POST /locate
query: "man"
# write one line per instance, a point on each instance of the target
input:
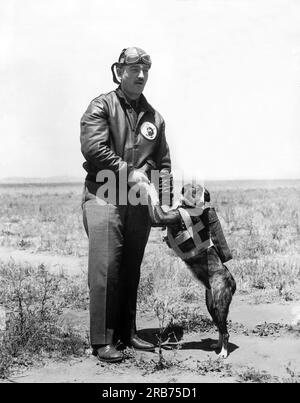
(121, 134)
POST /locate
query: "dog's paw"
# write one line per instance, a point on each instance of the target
(223, 353)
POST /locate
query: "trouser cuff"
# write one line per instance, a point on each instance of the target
(106, 338)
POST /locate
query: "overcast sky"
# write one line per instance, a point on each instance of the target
(225, 76)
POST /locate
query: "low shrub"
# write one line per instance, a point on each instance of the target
(33, 299)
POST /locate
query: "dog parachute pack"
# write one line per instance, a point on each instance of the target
(200, 230)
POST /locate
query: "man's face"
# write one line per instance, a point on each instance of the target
(133, 79)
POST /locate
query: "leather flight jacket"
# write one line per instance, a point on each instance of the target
(112, 139)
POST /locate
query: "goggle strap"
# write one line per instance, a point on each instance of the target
(115, 79)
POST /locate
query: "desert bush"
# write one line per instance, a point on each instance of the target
(33, 300)
(153, 365)
(214, 366)
(275, 329)
(75, 291)
(293, 375)
(252, 375)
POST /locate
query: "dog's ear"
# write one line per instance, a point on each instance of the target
(206, 195)
(183, 189)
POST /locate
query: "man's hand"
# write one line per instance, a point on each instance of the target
(137, 176)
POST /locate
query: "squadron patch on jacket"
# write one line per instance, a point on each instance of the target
(148, 130)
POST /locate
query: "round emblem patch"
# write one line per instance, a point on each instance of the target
(148, 130)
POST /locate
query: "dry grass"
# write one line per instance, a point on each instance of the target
(262, 227)
(42, 219)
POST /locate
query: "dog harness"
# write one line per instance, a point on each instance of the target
(194, 238)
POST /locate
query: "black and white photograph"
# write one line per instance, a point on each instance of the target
(149, 194)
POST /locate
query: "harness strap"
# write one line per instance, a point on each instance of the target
(192, 231)
(187, 220)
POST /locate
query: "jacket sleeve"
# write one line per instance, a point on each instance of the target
(94, 138)
(164, 166)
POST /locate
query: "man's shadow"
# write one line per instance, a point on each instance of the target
(171, 338)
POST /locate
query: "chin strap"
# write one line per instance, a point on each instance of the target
(114, 73)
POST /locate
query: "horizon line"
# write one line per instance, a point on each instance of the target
(65, 178)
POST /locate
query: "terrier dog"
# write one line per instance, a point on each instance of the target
(196, 236)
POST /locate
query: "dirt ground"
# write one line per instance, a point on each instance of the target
(272, 355)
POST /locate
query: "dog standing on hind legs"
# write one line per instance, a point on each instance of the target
(220, 287)
(196, 236)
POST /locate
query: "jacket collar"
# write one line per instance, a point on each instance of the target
(145, 106)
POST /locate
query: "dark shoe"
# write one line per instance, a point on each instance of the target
(107, 353)
(140, 344)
